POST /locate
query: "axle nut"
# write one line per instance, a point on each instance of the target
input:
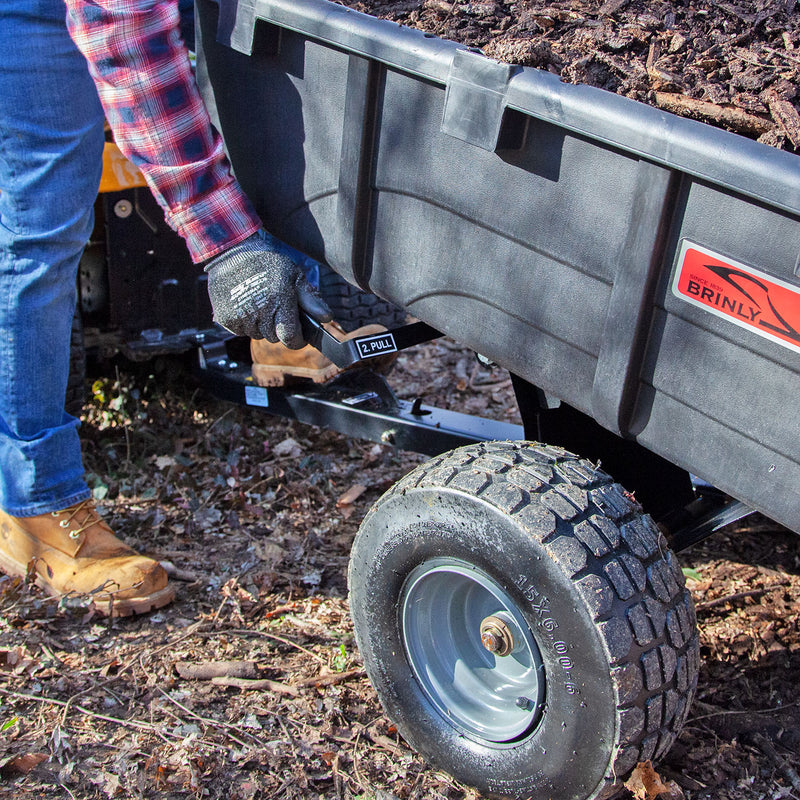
(496, 636)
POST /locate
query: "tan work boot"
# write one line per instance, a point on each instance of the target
(75, 552)
(273, 364)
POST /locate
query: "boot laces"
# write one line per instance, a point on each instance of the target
(84, 507)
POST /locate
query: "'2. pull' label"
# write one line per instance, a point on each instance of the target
(371, 346)
(743, 295)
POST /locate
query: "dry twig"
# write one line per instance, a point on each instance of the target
(332, 678)
(206, 670)
(732, 598)
(766, 746)
(256, 684)
(724, 116)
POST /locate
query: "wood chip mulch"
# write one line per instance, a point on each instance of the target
(734, 65)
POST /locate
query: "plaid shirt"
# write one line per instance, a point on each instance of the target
(144, 78)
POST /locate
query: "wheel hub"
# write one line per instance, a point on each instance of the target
(496, 636)
(471, 651)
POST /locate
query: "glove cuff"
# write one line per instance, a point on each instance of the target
(240, 253)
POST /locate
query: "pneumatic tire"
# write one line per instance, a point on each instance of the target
(523, 622)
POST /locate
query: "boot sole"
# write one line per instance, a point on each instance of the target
(136, 605)
(124, 607)
(266, 375)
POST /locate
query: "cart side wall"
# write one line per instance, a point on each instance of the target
(540, 224)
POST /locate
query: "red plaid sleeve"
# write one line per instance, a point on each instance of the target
(143, 75)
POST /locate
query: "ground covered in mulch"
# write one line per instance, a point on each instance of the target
(733, 64)
(254, 517)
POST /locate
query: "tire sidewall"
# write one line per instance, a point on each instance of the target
(569, 752)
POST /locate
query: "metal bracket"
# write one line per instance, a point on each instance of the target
(357, 403)
(723, 513)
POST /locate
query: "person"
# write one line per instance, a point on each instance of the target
(65, 66)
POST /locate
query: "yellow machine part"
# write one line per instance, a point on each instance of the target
(118, 172)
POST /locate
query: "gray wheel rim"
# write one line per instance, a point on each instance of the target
(495, 699)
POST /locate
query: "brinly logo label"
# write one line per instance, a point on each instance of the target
(743, 295)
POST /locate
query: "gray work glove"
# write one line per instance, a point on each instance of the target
(255, 291)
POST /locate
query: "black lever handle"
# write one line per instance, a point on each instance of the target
(362, 348)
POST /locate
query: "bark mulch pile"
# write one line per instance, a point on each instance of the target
(734, 65)
(250, 686)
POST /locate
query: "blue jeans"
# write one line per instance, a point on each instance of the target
(51, 142)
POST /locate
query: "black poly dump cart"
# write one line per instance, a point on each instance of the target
(523, 620)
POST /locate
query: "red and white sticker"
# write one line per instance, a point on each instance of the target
(743, 295)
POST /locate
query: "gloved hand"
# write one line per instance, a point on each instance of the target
(255, 291)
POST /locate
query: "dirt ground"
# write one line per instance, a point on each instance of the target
(255, 516)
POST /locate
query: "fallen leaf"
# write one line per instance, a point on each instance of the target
(16, 660)
(22, 765)
(288, 447)
(374, 454)
(345, 502)
(207, 518)
(111, 667)
(786, 116)
(269, 552)
(235, 591)
(351, 495)
(646, 784)
(110, 784)
(312, 578)
(9, 584)
(60, 744)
